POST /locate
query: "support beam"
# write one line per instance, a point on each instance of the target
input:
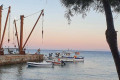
(16, 33)
(21, 51)
(33, 27)
(1, 49)
(0, 20)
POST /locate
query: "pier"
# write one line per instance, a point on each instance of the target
(15, 59)
(21, 57)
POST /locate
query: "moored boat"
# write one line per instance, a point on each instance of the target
(66, 57)
(55, 62)
(42, 64)
(72, 59)
(61, 63)
(78, 59)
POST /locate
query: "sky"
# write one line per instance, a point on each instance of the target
(82, 34)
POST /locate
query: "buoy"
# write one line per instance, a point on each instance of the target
(58, 59)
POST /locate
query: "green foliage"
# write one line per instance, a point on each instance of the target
(83, 6)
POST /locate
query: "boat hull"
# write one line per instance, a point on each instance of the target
(72, 59)
(42, 65)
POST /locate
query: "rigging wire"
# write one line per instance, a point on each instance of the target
(9, 32)
(13, 34)
(9, 28)
(42, 20)
(32, 14)
(29, 15)
(42, 26)
(5, 8)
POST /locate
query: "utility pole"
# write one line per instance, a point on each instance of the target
(0, 20)
(22, 52)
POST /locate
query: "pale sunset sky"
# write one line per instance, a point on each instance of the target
(81, 34)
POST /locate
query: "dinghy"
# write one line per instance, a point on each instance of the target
(61, 63)
(42, 64)
(56, 63)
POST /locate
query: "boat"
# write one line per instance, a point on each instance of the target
(60, 63)
(67, 57)
(40, 64)
(72, 59)
(55, 62)
(78, 59)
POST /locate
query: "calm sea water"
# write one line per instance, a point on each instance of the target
(97, 65)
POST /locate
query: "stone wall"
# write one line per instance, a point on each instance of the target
(14, 59)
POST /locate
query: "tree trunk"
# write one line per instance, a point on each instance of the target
(119, 0)
(111, 35)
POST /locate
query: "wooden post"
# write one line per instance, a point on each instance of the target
(21, 51)
(0, 20)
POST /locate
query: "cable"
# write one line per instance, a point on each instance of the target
(9, 29)
(42, 26)
(5, 8)
(29, 15)
(32, 14)
(17, 19)
(13, 35)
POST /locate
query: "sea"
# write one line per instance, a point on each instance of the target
(97, 65)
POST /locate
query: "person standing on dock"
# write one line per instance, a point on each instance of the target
(38, 51)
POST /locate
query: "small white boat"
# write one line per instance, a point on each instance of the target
(72, 59)
(42, 64)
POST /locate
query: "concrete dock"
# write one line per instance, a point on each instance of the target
(14, 59)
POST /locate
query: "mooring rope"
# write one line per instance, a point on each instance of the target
(29, 15)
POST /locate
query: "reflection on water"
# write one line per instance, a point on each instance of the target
(19, 72)
(97, 66)
(11, 72)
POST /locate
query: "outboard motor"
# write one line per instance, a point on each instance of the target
(62, 63)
